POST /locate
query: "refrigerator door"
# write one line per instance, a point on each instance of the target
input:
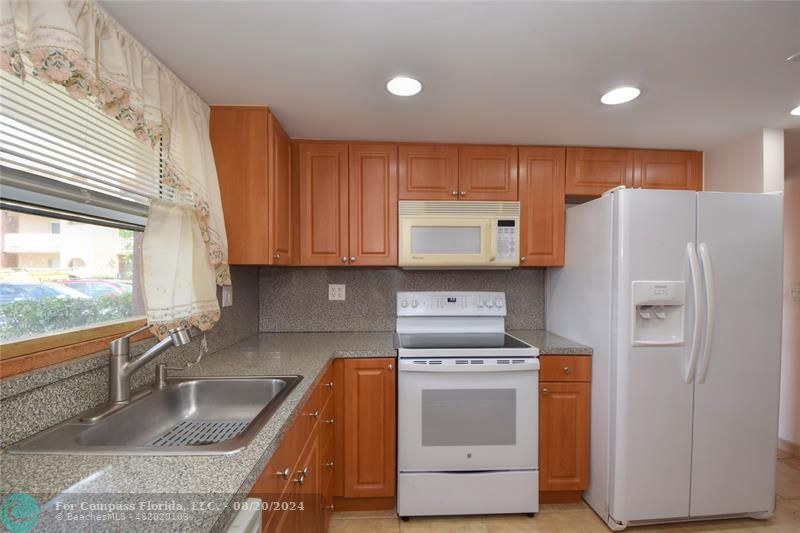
(651, 402)
(740, 241)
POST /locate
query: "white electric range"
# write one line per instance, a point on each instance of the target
(467, 407)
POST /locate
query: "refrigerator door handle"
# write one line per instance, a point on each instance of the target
(694, 271)
(708, 276)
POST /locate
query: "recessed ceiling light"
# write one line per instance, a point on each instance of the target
(795, 111)
(620, 95)
(404, 86)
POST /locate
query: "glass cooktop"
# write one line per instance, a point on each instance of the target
(427, 341)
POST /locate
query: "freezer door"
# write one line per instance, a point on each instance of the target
(736, 391)
(651, 400)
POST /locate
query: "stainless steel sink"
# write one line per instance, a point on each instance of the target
(189, 416)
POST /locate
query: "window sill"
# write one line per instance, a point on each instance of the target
(31, 354)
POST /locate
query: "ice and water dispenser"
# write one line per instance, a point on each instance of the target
(658, 313)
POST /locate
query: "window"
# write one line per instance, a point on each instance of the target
(98, 284)
(73, 204)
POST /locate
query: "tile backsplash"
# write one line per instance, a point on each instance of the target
(296, 299)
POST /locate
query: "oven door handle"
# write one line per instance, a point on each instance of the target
(452, 367)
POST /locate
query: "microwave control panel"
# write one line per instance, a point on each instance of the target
(506, 240)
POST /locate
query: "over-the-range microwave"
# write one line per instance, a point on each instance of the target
(458, 234)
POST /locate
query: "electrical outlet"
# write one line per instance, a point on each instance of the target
(335, 292)
(227, 295)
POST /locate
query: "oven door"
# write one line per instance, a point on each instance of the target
(467, 414)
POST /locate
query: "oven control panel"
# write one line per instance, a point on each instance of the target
(452, 303)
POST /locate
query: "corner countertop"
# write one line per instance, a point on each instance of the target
(215, 483)
(550, 343)
(218, 482)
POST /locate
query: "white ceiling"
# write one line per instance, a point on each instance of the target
(517, 72)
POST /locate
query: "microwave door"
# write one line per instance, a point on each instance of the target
(445, 241)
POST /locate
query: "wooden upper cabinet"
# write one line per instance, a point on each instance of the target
(369, 428)
(239, 139)
(323, 203)
(541, 199)
(373, 204)
(254, 165)
(428, 172)
(487, 173)
(668, 169)
(281, 207)
(592, 171)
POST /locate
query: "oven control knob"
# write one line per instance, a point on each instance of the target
(404, 303)
(498, 302)
(414, 303)
(490, 303)
(480, 302)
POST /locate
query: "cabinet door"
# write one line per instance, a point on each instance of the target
(369, 427)
(563, 436)
(541, 199)
(281, 205)
(592, 171)
(323, 204)
(239, 138)
(373, 204)
(428, 172)
(668, 169)
(487, 173)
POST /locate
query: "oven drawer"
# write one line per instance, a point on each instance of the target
(441, 493)
(565, 368)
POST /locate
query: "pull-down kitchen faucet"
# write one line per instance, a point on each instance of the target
(121, 366)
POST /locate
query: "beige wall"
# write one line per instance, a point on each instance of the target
(789, 429)
(754, 163)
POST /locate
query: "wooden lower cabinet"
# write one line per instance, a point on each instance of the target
(352, 408)
(564, 404)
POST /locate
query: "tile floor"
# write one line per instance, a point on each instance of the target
(578, 518)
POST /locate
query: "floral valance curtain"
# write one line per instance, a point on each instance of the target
(75, 44)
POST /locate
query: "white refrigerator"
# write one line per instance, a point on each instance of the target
(679, 294)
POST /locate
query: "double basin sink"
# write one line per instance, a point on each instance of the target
(188, 416)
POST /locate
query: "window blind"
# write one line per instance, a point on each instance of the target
(64, 153)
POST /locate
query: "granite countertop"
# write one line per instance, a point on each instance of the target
(200, 492)
(550, 343)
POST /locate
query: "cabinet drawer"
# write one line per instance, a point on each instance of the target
(565, 368)
(327, 423)
(325, 385)
(327, 463)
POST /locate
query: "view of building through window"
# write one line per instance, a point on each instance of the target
(57, 275)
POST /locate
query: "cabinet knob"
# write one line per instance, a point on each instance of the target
(522, 259)
(463, 193)
(277, 257)
(301, 477)
(344, 260)
(567, 370)
(353, 259)
(329, 421)
(315, 414)
(454, 193)
(329, 507)
(329, 465)
(390, 366)
(545, 392)
(283, 473)
(329, 385)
